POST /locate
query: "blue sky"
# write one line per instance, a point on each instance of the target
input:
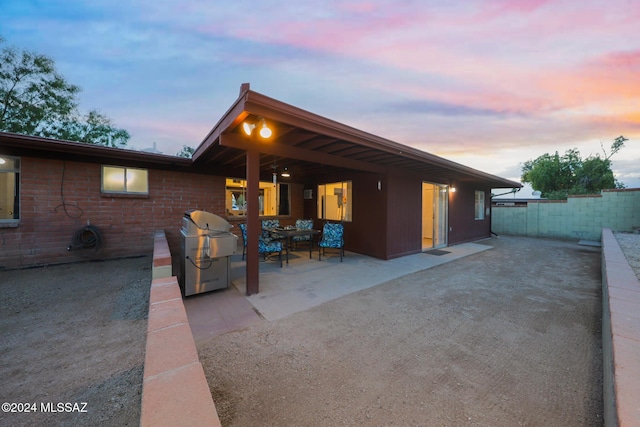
(489, 84)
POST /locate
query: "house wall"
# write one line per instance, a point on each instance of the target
(366, 233)
(579, 217)
(53, 208)
(127, 223)
(463, 227)
(404, 233)
(387, 223)
(60, 197)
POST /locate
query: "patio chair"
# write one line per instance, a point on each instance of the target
(243, 229)
(269, 224)
(303, 224)
(265, 246)
(332, 237)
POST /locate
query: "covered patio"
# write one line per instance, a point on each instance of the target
(315, 149)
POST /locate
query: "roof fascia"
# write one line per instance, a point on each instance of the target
(234, 115)
(259, 104)
(83, 149)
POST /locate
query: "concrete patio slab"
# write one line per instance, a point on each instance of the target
(306, 283)
(300, 285)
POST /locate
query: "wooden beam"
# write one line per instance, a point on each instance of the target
(237, 141)
(253, 222)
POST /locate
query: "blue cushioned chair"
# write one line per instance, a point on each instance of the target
(268, 224)
(265, 246)
(332, 237)
(243, 228)
(303, 224)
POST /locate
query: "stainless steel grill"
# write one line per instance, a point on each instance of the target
(206, 248)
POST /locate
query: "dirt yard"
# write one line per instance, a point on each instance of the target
(510, 336)
(506, 337)
(74, 334)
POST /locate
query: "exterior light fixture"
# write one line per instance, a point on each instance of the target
(248, 127)
(265, 131)
(285, 173)
(453, 189)
(2, 161)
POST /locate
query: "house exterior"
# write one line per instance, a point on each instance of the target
(393, 200)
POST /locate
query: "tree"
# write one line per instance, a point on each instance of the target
(36, 100)
(93, 128)
(186, 151)
(557, 177)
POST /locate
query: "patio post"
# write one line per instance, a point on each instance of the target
(253, 220)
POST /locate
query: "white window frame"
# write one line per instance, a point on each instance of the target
(239, 186)
(125, 175)
(344, 198)
(5, 168)
(479, 205)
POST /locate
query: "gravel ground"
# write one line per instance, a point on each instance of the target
(74, 334)
(630, 245)
(506, 337)
(455, 345)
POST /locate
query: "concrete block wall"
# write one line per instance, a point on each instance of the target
(620, 336)
(579, 217)
(175, 391)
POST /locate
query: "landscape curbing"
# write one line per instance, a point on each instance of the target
(620, 336)
(161, 256)
(175, 391)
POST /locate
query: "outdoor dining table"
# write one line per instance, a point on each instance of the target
(288, 233)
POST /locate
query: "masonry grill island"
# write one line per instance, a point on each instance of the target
(206, 248)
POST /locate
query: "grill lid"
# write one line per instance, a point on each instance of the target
(206, 222)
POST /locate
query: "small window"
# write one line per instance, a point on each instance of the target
(335, 201)
(9, 189)
(479, 205)
(116, 179)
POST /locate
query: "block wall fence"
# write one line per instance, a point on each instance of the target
(579, 217)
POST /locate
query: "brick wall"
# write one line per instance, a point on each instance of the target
(59, 197)
(579, 217)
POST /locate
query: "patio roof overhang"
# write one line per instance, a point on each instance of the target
(309, 144)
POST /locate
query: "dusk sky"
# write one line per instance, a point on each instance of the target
(489, 84)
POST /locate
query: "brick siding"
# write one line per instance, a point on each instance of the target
(127, 223)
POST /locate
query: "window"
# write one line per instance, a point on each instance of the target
(273, 199)
(9, 189)
(116, 179)
(479, 205)
(334, 201)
